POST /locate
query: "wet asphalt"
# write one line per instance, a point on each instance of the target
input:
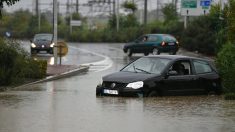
(70, 104)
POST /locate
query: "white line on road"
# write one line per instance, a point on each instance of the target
(104, 64)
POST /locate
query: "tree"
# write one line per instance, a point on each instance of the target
(169, 12)
(130, 6)
(231, 21)
(8, 2)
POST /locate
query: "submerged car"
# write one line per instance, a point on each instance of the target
(42, 42)
(163, 75)
(152, 43)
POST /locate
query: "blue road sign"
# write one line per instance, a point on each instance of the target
(205, 3)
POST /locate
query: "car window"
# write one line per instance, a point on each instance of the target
(152, 39)
(169, 38)
(46, 37)
(147, 65)
(201, 67)
(181, 67)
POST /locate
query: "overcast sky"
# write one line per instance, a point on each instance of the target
(30, 4)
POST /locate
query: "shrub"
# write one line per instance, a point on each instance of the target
(16, 65)
(226, 66)
(199, 36)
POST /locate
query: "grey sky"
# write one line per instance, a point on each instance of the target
(29, 4)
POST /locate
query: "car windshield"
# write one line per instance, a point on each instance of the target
(45, 37)
(148, 65)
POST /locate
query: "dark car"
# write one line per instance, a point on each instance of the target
(163, 75)
(42, 42)
(152, 43)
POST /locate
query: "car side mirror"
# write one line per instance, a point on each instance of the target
(172, 73)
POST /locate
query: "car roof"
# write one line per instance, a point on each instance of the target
(160, 34)
(175, 57)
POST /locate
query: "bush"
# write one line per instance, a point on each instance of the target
(17, 66)
(226, 66)
(200, 36)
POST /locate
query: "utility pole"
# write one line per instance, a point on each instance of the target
(37, 8)
(67, 7)
(117, 16)
(55, 6)
(114, 7)
(157, 10)
(145, 12)
(77, 6)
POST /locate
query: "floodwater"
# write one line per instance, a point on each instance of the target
(70, 105)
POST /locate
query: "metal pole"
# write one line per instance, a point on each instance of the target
(70, 16)
(37, 8)
(114, 7)
(117, 15)
(60, 53)
(77, 6)
(55, 30)
(157, 10)
(185, 22)
(145, 11)
(39, 20)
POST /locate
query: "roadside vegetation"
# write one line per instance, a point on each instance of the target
(212, 34)
(17, 66)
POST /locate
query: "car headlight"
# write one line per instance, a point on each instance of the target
(33, 45)
(52, 45)
(135, 85)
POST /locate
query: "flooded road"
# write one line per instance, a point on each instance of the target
(70, 105)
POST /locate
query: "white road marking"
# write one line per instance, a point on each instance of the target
(97, 66)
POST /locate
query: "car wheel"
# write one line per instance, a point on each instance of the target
(146, 53)
(214, 92)
(98, 92)
(172, 52)
(156, 51)
(153, 94)
(129, 52)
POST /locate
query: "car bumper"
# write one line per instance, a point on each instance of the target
(42, 49)
(126, 92)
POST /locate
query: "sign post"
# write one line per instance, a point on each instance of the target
(194, 8)
(55, 29)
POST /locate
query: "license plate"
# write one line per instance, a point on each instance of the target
(107, 91)
(171, 43)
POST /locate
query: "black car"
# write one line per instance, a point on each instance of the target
(152, 43)
(42, 42)
(163, 75)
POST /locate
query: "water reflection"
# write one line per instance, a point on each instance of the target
(9, 99)
(181, 113)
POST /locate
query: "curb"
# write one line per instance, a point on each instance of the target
(76, 71)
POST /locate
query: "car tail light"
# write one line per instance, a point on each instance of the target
(163, 43)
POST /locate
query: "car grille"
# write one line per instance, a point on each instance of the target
(113, 85)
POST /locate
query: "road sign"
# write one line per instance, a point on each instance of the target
(62, 48)
(189, 3)
(205, 3)
(195, 7)
(75, 23)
